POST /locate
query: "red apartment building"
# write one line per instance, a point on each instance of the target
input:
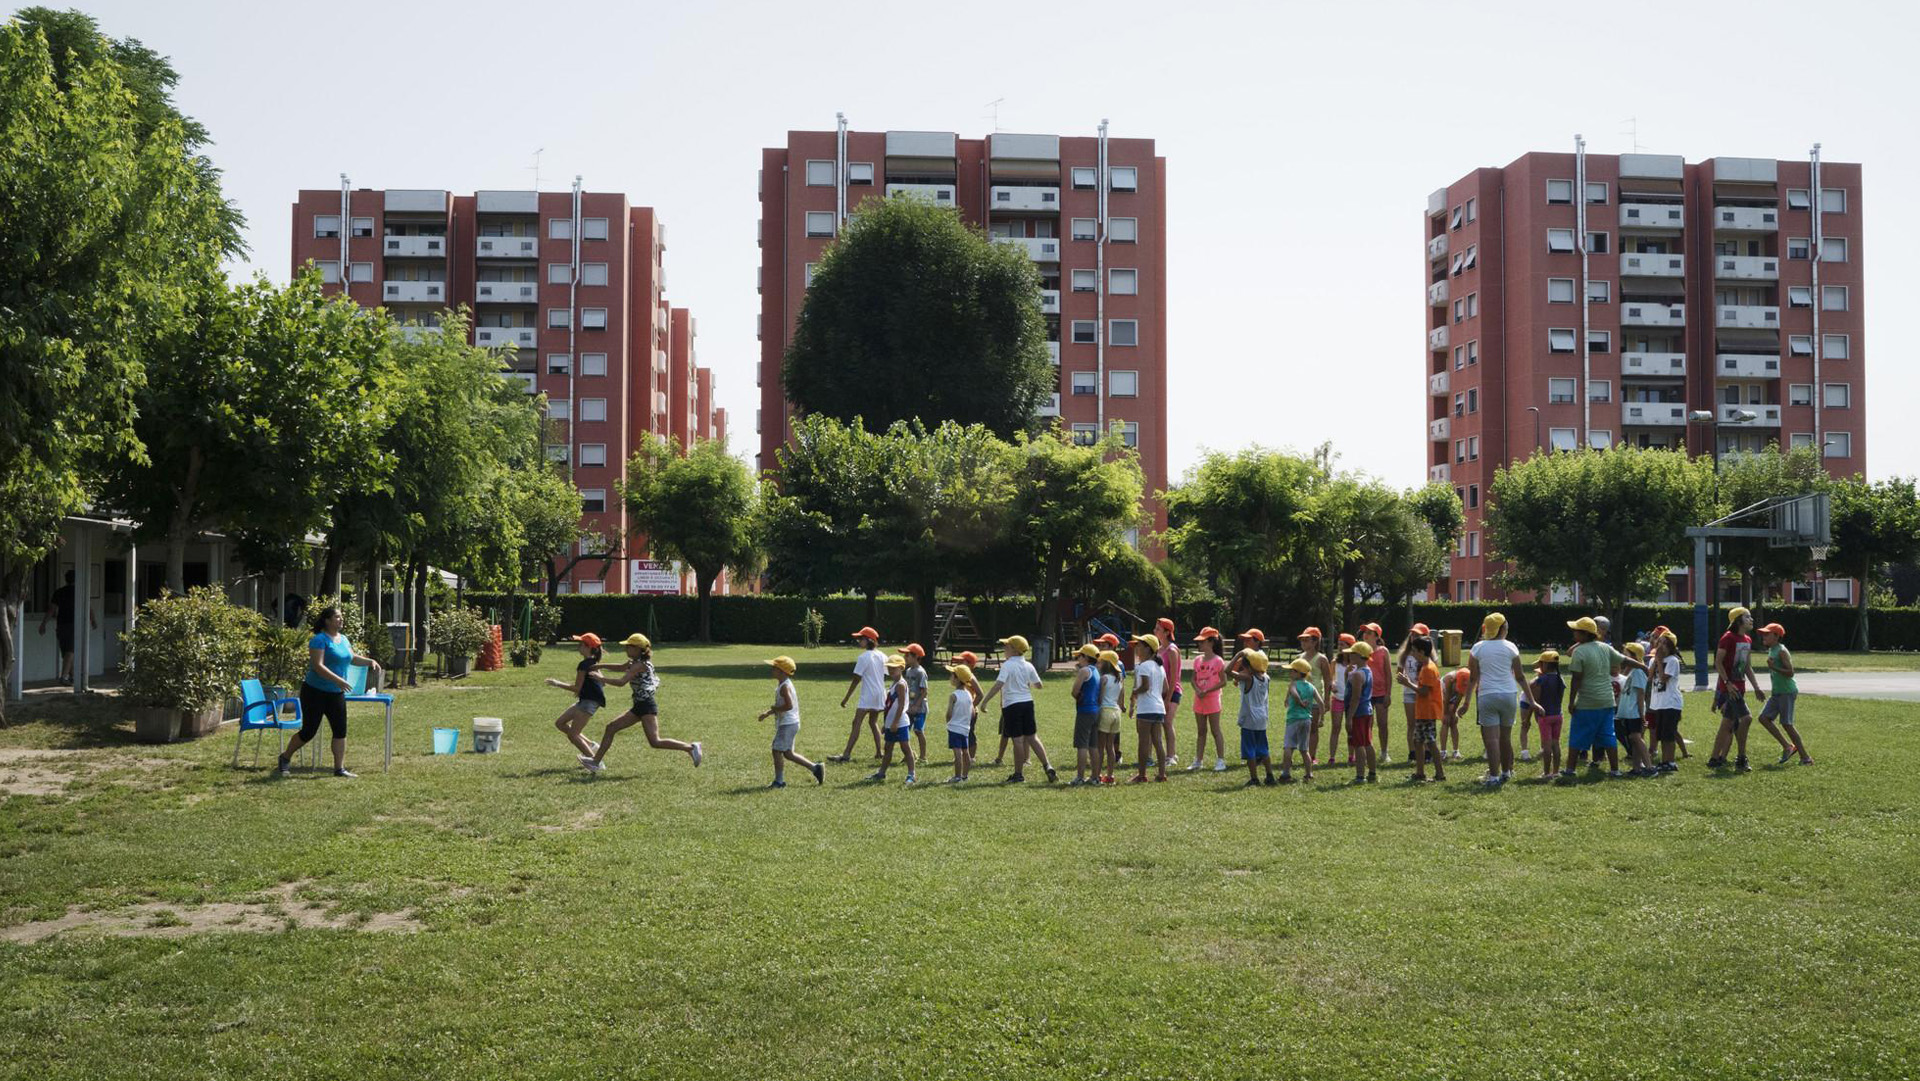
(572, 281)
(1599, 300)
(1091, 211)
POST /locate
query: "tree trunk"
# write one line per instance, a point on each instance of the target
(924, 599)
(1346, 598)
(9, 639)
(330, 570)
(873, 607)
(1860, 603)
(417, 582)
(703, 582)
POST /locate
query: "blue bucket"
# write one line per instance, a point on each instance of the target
(446, 740)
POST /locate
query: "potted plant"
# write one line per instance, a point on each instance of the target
(184, 658)
(457, 634)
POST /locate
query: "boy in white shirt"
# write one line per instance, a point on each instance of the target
(870, 679)
(960, 720)
(786, 714)
(1017, 681)
(1148, 706)
(894, 719)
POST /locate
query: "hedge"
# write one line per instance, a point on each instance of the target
(769, 619)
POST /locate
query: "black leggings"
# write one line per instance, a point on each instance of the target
(316, 703)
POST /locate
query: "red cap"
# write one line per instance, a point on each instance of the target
(1774, 629)
(867, 632)
(1658, 631)
(1206, 633)
(1164, 624)
(1346, 639)
(1420, 629)
(1311, 632)
(1375, 628)
(914, 648)
(1256, 634)
(589, 638)
(967, 658)
(1109, 640)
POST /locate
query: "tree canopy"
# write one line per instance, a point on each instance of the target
(1873, 525)
(699, 507)
(1750, 478)
(1242, 519)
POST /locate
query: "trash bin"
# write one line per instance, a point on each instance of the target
(1450, 648)
(1042, 655)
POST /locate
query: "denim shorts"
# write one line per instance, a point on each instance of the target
(588, 706)
(899, 735)
(783, 736)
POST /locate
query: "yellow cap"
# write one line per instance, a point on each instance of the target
(1586, 624)
(960, 672)
(1110, 657)
(1548, 656)
(1361, 650)
(1637, 651)
(896, 661)
(1302, 666)
(638, 641)
(1493, 623)
(1737, 615)
(1015, 644)
(1671, 639)
(1090, 651)
(784, 663)
(1255, 659)
(1148, 640)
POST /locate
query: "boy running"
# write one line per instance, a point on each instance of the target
(785, 712)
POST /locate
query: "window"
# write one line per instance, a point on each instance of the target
(1123, 332)
(593, 274)
(1833, 201)
(593, 364)
(1473, 353)
(1459, 264)
(1836, 346)
(1082, 176)
(1559, 290)
(1473, 305)
(558, 452)
(1459, 357)
(819, 223)
(1836, 395)
(1473, 448)
(1839, 590)
(1799, 296)
(1123, 282)
(593, 500)
(1123, 384)
(1799, 393)
(1473, 399)
(1600, 440)
(1560, 340)
(1600, 292)
(559, 317)
(1460, 404)
(1085, 384)
(1459, 450)
(329, 271)
(1600, 341)
(810, 267)
(1799, 247)
(1597, 243)
(326, 225)
(1458, 216)
(1559, 391)
(1563, 438)
(1839, 445)
(360, 272)
(593, 454)
(1082, 229)
(558, 363)
(593, 318)
(362, 226)
(559, 228)
(559, 409)
(1460, 309)
(860, 172)
(1085, 331)
(1559, 240)
(1596, 192)
(1473, 211)
(1800, 345)
(1086, 435)
(1799, 439)
(1473, 544)
(559, 273)
(1833, 249)
(1123, 230)
(1473, 256)
(1123, 178)
(1084, 281)
(593, 228)
(1799, 199)
(1473, 496)
(1833, 298)
(1560, 192)
(1600, 390)
(593, 409)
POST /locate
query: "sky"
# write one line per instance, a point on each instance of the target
(1301, 143)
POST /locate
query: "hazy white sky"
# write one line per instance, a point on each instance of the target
(1301, 142)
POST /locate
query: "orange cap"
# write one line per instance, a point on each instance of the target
(1256, 634)
(1109, 640)
(1375, 628)
(867, 632)
(969, 659)
(589, 638)
(1311, 632)
(1347, 639)
(1420, 629)
(1206, 633)
(1164, 624)
(914, 648)
(1774, 629)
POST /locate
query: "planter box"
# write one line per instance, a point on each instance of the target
(158, 724)
(457, 666)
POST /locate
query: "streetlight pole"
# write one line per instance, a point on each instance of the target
(1708, 420)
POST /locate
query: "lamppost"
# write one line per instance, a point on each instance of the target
(1703, 598)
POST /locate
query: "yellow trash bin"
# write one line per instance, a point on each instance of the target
(1450, 648)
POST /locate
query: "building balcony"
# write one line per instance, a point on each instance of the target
(1663, 217)
(1746, 366)
(414, 293)
(1438, 430)
(1654, 414)
(414, 247)
(940, 194)
(1439, 383)
(1050, 302)
(1735, 416)
(1052, 407)
(1652, 265)
(509, 337)
(1041, 249)
(1747, 267)
(1763, 316)
(1442, 473)
(506, 292)
(1653, 315)
(1653, 365)
(506, 247)
(1745, 219)
(1437, 294)
(1437, 248)
(1045, 200)
(1437, 338)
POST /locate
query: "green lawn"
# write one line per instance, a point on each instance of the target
(661, 922)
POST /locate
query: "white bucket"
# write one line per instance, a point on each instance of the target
(486, 735)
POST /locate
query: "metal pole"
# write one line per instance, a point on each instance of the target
(1099, 287)
(1586, 345)
(1819, 241)
(1700, 625)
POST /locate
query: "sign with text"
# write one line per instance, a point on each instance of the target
(653, 576)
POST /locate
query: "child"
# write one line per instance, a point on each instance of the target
(587, 696)
(1250, 672)
(1360, 711)
(1408, 662)
(870, 679)
(972, 663)
(1377, 662)
(1209, 679)
(1017, 681)
(637, 672)
(1785, 692)
(1322, 675)
(1459, 690)
(1086, 714)
(1665, 701)
(1148, 707)
(785, 712)
(894, 721)
(917, 694)
(1548, 690)
(1423, 739)
(1111, 684)
(1629, 718)
(960, 719)
(1303, 705)
(1170, 669)
(1337, 700)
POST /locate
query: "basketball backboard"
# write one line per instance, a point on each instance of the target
(1803, 522)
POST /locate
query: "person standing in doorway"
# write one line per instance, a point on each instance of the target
(63, 607)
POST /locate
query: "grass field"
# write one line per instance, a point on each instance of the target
(658, 921)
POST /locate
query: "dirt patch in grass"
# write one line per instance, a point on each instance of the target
(280, 911)
(29, 772)
(585, 820)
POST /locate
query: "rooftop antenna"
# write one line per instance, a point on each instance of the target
(536, 167)
(1633, 132)
(994, 105)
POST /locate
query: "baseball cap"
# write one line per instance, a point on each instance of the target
(1015, 644)
(867, 632)
(1090, 651)
(1255, 659)
(784, 663)
(1110, 657)
(1110, 640)
(1254, 633)
(915, 649)
(1164, 625)
(1548, 656)
(964, 673)
(969, 658)
(1301, 665)
(1361, 650)
(1493, 622)
(1461, 678)
(1422, 630)
(1774, 629)
(1637, 651)
(589, 638)
(896, 661)
(1346, 639)
(1310, 632)
(1375, 628)
(1737, 615)
(1206, 633)
(1148, 640)
(1585, 624)
(637, 641)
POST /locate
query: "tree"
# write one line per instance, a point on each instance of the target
(547, 507)
(913, 316)
(831, 477)
(1610, 521)
(269, 408)
(103, 219)
(699, 508)
(1873, 525)
(1748, 479)
(1241, 519)
(1071, 509)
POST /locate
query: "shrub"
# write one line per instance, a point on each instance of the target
(458, 632)
(189, 652)
(280, 654)
(544, 622)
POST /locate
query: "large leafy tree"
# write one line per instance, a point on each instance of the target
(1609, 521)
(698, 507)
(1242, 519)
(105, 221)
(1405, 556)
(1873, 525)
(913, 316)
(832, 477)
(546, 507)
(1746, 480)
(1071, 509)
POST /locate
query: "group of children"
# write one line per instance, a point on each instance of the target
(1629, 700)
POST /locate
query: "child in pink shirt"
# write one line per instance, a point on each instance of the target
(1209, 678)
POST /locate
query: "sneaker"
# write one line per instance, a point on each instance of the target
(1386, 759)
(1740, 766)
(909, 780)
(819, 774)
(1716, 763)
(1667, 767)
(1526, 755)
(1108, 779)
(698, 754)
(1219, 765)
(1076, 782)
(1371, 779)
(838, 758)
(1053, 775)
(1567, 776)
(1138, 778)
(1271, 781)
(591, 765)
(595, 746)
(342, 771)
(1615, 774)
(284, 769)
(1193, 765)
(877, 775)
(1252, 782)
(1491, 780)
(1018, 778)
(951, 780)
(1286, 778)
(778, 784)
(1786, 756)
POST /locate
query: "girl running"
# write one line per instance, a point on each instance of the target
(587, 696)
(639, 674)
(1209, 679)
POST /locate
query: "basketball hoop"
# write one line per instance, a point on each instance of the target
(1819, 553)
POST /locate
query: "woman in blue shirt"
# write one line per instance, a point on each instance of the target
(324, 692)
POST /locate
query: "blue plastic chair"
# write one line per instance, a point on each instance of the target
(357, 692)
(261, 708)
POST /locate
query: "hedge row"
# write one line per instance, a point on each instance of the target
(777, 619)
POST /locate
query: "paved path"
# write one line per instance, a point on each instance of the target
(1894, 686)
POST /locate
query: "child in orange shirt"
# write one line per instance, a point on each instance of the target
(1429, 704)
